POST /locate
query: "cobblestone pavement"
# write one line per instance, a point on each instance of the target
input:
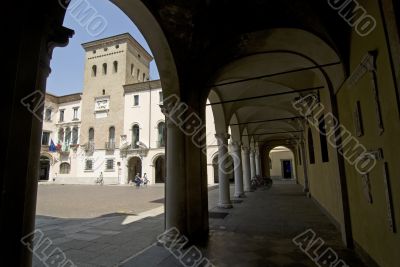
(98, 225)
(258, 231)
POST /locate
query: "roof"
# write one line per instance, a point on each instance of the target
(117, 39)
(64, 98)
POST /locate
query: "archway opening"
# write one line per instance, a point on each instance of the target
(159, 165)
(44, 172)
(281, 163)
(134, 168)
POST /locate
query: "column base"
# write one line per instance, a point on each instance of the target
(240, 195)
(225, 206)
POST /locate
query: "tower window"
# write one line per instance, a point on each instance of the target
(94, 71)
(137, 74)
(132, 69)
(104, 68)
(115, 64)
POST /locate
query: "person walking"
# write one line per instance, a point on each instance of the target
(137, 180)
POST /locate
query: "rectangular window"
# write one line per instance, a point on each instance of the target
(47, 116)
(88, 165)
(45, 138)
(160, 95)
(62, 115)
(76, 113)
(110, 165)
(136, 100)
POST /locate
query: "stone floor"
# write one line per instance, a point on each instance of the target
(257, 232)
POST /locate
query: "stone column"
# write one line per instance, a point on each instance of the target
(252, 164)
(175, 182)
(258, 162)
(224, 195)
(246, 169)
(237, 162)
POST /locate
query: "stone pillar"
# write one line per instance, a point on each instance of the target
(258, 162)
(237, 162)
(224, 194)
(252, 164)
(246, 169)
(175, 182)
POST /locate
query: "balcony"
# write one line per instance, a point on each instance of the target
(110, 145)
(88, 147)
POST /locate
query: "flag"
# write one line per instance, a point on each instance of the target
(52, 147)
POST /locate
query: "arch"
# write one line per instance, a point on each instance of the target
(91, 134)
(65, 168)
(159, 169)
(235, 129)
(218, 113)
(215, 168)
(281, 162)
(134, 167)
(111, 134)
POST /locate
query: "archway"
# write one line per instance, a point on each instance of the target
(281, 163)
(159, 165)
(215, 169)
(134, 167)
(44, 172)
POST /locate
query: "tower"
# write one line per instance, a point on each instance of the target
(110, 63)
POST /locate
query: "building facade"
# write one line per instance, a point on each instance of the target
(115, 127)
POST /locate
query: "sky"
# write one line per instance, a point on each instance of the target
(67, 63)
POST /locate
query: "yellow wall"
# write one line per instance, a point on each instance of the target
(369, 221)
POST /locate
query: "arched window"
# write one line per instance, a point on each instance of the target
(132, 67)
(135, 136)
(111, 134)
(68, 136)
(61, 136)
(323, 141)
(91, 135)
(161, 137)
(137, 74)
(64, 168)
(104, 68)
(144, 76)
(115, 65)
(94, 71)
(311, 147)
(75, 135)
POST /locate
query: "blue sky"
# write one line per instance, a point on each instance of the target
(67, 63)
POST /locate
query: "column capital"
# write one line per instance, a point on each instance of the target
(222, 138)
(236, 145)
(245, 149)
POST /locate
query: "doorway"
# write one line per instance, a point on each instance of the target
(159, 165)
(134, 167)
(44, 168)
(287, 169)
